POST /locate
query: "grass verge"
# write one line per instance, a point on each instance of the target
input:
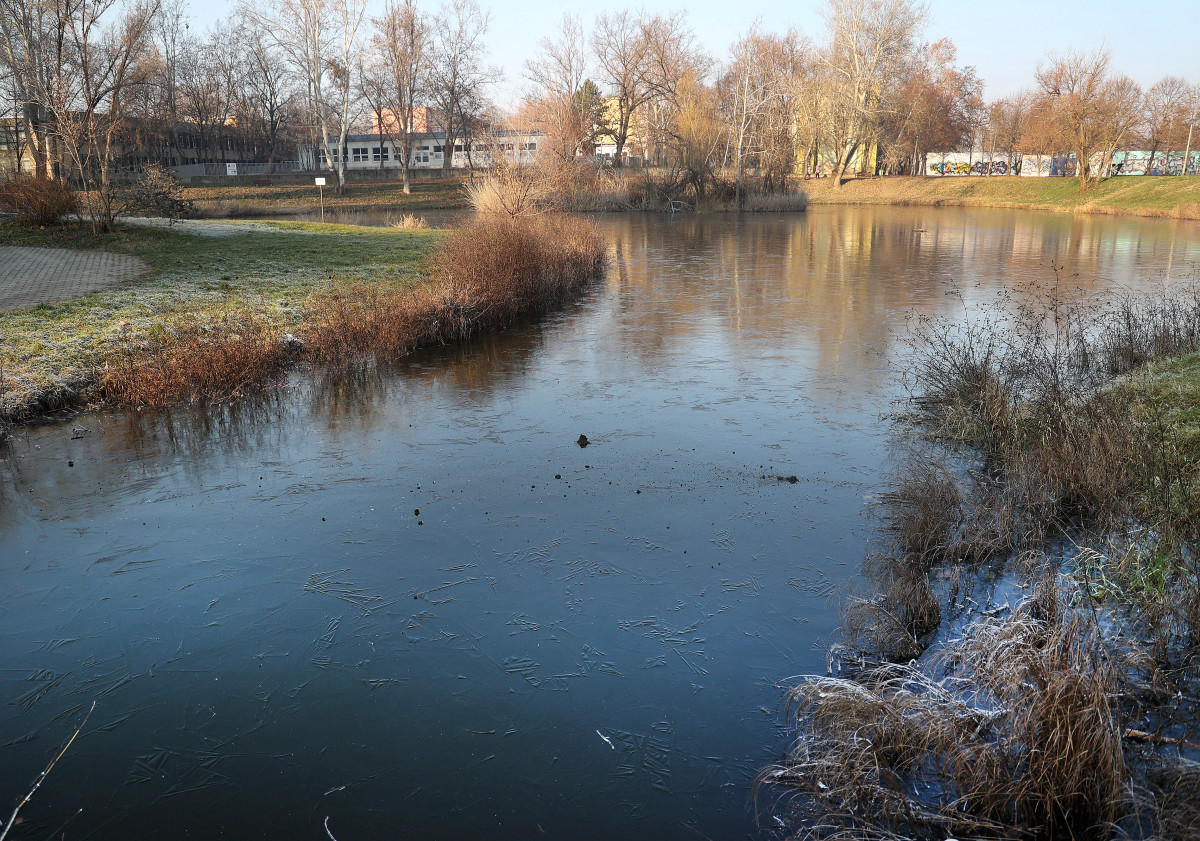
(1177, 198)
(242, 201)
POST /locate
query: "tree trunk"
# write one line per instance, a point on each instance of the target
(1188, 153)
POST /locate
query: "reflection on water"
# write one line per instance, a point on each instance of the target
(402, 597)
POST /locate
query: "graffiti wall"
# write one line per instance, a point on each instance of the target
(1158, 163)
(972, 163)
(1062, 166)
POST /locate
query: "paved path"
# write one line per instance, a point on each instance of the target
(31, 276)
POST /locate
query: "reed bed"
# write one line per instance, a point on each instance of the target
(483, 276)
(210, 358)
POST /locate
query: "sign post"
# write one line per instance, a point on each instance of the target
(230, 169)
(321, 190)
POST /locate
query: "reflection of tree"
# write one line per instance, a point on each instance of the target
(830, 287)
(837, 281)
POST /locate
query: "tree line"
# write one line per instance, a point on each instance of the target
(91, 85)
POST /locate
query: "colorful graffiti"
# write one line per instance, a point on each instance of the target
(1065, 166)
(962, 163)
(1160, 163)
(971, 168)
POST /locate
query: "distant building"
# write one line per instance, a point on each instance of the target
(377, 151)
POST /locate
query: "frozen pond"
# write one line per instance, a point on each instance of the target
(408, 601)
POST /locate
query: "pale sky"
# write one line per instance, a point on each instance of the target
(1003, 40)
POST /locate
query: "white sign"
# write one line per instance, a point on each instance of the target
(320, 182)
(231, 169)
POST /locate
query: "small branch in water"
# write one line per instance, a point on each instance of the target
(1134, 736)
(327, 832)
(42, 777)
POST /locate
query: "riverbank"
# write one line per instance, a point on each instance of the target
(1177, 198)
(218, 314)
(1055, 452)
(246, 201)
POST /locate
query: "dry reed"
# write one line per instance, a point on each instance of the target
(216, 358)
(1016, 739)
(410, 221)
(483, 276)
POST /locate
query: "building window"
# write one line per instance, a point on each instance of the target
(360, 154)
(378, 154)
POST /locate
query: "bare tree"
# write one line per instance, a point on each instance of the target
(266, 91)
(1191, 110)
(1163, 122)
(457, 73)
(1095, 108)
(870, 42)
(89, 112)
(558, 104)
(204, 81)
(673, 59)
(621, 53)
(36, 56)
(757, 85)
(396, 75)
(320, 39)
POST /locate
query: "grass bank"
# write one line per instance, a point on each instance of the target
(244, 201)
(1057, 446)
(1177, 198)
(221, 313)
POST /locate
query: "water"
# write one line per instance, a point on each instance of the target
(563, 642)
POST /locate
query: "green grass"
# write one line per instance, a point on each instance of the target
(1175, 197)
(48, 353)
(1167, 397)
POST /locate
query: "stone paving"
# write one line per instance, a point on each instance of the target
(31, 276)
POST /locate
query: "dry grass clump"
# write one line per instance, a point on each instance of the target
(895, 623)
(37, 201)
(191, 358)
(780, 202)
(1172, 801)
(1016, 739)
(412, 222)
(485, 275)
(1035, 392)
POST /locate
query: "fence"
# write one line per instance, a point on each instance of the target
(239, 169)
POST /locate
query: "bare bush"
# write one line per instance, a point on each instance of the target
(37, 201)
(192, 359)
(484, 275)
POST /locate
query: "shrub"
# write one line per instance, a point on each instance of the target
(156, 192)
(37, 201)
(211, 359)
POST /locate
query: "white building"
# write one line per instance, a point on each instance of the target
(376, 151)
